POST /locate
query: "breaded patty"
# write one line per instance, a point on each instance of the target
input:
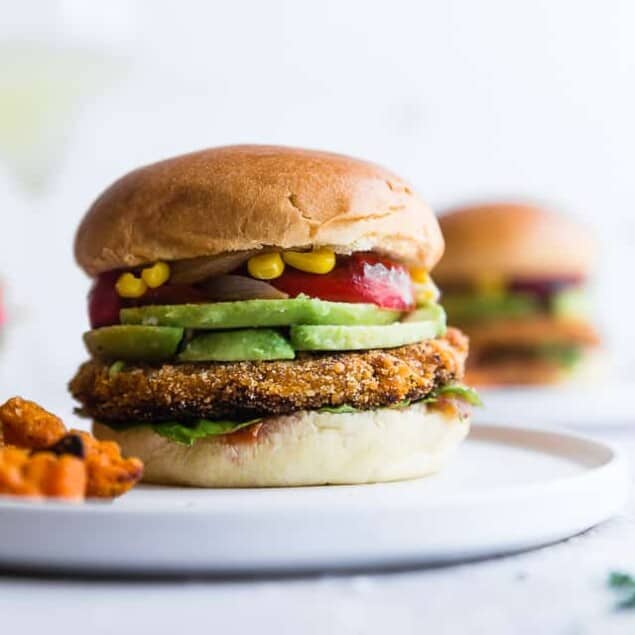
(365, 380)
(531, 331)
(516, 371)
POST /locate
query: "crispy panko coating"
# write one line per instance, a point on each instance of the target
(365, 379)
(27, 425)
(108, 473)
(41, 474)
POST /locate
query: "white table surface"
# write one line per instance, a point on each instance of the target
(556, 589)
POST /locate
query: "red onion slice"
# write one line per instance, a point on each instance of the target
(230, 288)
(193, 270)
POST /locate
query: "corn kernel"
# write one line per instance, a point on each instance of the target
(490, 284)
(425, 296)
(318, 261)
(426, 292)
(266, 266)
(129, 286)
(156, 275)
(419, 275)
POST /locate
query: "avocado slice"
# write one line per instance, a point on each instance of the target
(571, 303)
(352, 338)
(234, 346)
(465, 308)
(434, 312)
(129, 343)
(254, 313)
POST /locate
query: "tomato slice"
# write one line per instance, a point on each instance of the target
(363, 277)
(104, 303)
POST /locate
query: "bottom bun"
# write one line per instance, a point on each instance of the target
(305, 448)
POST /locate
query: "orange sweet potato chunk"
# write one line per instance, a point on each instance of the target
(27, 425)
(39, 458)
(41, 475)
(108, 473)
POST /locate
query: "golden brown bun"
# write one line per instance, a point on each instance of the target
(512, 240)
(251, 197)
(305, 448)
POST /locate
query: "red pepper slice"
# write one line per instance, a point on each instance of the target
(104, 302)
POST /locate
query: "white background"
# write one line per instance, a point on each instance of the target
(467, 99)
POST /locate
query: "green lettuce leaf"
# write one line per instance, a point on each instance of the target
(401, 404)
(459, 391)
(346, 409)
(338, 410)
(187, 434)
(199, 429)
(565, 355)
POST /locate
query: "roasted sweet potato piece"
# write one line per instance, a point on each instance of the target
(41, 474)
(38, 457)
(27, 425)
(57, 476)
(71, 443)
(108, 473)
(12, 460)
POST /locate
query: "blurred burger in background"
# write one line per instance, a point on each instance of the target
(514, 277)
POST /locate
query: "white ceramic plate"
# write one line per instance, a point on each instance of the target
(508, 489)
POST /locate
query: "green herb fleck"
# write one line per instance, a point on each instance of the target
(624, 584)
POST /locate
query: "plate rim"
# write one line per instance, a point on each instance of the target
(614, 461)
(411, 536)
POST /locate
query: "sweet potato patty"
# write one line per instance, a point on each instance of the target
(366, 380)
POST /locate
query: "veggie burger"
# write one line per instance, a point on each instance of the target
(264, 316)
(514, 276)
